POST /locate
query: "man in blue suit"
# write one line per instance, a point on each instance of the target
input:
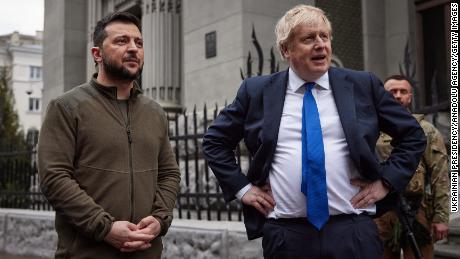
(314, 179)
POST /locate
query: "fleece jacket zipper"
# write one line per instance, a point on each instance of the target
(130, 157)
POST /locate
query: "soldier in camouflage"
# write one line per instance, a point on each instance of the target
(428, 191)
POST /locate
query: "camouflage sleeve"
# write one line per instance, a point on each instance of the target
(383, 147)
(436, 160)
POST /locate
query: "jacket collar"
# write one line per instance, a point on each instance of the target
(111, 91)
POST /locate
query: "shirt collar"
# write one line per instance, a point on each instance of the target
(295, 82)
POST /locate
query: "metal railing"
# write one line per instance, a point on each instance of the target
(19, 180)
(200, 196)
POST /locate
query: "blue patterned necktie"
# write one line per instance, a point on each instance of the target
(313, 167)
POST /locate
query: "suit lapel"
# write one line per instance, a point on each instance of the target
(342, 90)
(273, 99)
(274, 95)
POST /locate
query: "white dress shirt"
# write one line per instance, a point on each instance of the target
(286, 169)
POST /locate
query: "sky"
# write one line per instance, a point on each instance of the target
(25, 16)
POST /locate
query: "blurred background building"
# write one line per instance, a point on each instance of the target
(21, 55)
(196, 48)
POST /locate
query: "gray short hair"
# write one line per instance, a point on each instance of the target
(300, 14)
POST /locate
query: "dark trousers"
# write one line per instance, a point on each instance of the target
(343, 237)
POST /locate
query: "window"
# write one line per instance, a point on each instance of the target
(435, 62)
(170, 93)
(162, 93)
(210, 44)
(433, 58)
(35, 72)
(34, 104)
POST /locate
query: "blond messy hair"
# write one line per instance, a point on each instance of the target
(300, 14)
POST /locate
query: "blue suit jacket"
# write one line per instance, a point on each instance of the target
(364, 107)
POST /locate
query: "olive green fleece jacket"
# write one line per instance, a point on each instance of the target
(96, 168)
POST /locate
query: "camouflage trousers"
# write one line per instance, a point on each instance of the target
(388, 225)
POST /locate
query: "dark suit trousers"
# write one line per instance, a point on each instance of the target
(343, 237)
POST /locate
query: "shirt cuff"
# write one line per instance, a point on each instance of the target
(239, 195)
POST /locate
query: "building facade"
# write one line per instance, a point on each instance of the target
(196, 50)
(22, 56)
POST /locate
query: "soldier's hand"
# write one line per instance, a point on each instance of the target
(439, 231)
(148, 225)
(124, 231)
(260, 198)
(369, 193)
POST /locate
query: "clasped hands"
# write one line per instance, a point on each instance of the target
(129, 237)
(262, 199)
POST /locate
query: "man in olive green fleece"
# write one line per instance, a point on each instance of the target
(104, 157)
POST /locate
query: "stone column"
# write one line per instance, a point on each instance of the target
(64, 47)
(374, 37)
(161, 79)
(94, 15)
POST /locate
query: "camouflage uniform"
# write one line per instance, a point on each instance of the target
(434, 197)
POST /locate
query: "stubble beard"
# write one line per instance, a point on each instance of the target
(119, 72)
